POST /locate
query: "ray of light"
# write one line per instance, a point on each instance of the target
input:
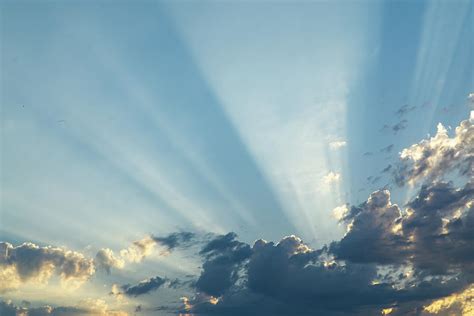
(284, 113)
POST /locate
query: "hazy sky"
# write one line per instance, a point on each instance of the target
(157, 128)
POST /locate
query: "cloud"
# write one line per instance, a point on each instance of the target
(416, 258)
(435, 233)
(331, 178)
(461, 303)
(31, 263)
(143, 287)
(337, 144)
(223, 256)
(470, 99)
(387, 169)
(339, 212)
(372, 235)
(106, 259)
(175, 240)
(404, 110)
(399, 126)
(138, 250)
(94, 307)
(289, 278)
(439, 224)
(387, 149)
(433, 158)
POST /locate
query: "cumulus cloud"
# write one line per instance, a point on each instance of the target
(373, 227)
(138, 250)
(223, 257)
(339, 212)
(431, 159)
(29, 262)
(435, 233)
(288, 278)
(106, 259)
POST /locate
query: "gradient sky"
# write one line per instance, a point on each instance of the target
(132, 118)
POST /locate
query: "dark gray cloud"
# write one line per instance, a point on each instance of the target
(399, 126)
(223, 257)
(395, 128)
(440, 226)
(433, 234)
(371, 232)
(387, 149)
(289, 278)
(387, 169)
(174, 240)
(405, 109)
(143, 287)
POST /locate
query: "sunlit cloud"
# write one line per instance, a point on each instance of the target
(456, 304)
(340, 212)
(31, 263)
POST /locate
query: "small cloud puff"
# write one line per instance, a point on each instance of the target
(331, 178)
(337, 144)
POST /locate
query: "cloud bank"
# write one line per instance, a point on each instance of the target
(411, 259)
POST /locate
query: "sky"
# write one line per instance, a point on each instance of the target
(236, 157)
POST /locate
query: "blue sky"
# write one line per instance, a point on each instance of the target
(120, 120)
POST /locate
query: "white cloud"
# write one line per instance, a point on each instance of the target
(340, 211)
(433, 158)
(106, 258)
(331, 178)
(470, 97)
(337, 144)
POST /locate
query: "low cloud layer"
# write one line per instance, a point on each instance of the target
(94, 307)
